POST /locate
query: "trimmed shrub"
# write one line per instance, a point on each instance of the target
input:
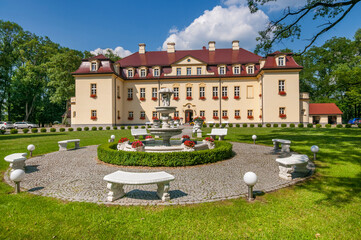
(34, 130)
(292, 125)
(318, 125)
(211, 125)
(115, 127)
(86, 129)
(136, 127)
(300, 125)
(61, 129)
(94, 128)
(275, 125)
(107, 128)
(339, 126)
(230, 125)
(204, 125)
(129, 127)
(100, 128)
(328, 125)
(244, 125)
(148, 126)
(13, 131)
(25, 130)
(348, 125)
(223, 125)
(238, 125)
(217, 125)
(359, 125)
(122, 127)
(283, 125)
(108, 153)
(2, 131)
(143, 127)
(43, 130)
(251, 125)
(79, 129)
(52, 129)
(70, 129)
(259, 125)
(309, 125)
(268, 125)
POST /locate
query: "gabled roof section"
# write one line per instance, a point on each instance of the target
(271, 62)
(196, 61)
(324, 109)
(105, 66)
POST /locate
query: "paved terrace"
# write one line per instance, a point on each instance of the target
(77, 175)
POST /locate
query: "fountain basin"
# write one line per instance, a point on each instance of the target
(157, 146)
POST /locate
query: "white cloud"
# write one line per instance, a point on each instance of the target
(233, 2)
(119, 51)
(223, 25)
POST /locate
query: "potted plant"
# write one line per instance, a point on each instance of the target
(188, 146)
(215, 117)
(237, 117)
(189, 98)
(154, 98)
(250, 117)
(93, 117)
(224, 97)
(149, 138)
(283, 115)
(129, 99)
(224, 117)
(130, 118)
(185, 137)
(122, 143)
(236, 97)
(215, 97)
(156, 122)
(282, 93)
(138, 146)
(202, 98)
(176, 98)
(93, 95)
(142, 99)
(210, 142)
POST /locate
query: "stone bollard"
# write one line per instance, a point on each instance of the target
(199, 133)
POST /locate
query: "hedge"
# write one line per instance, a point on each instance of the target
(292, 125)
(309, 125)
(108, 153)
(259, 125)
(107, 128)
(244, 125)
(251, 125)
(268, 125)
(275, 125)
(223, 125)
(339, 125)
(2, 131)
(79, 129)
(25, 130)
(122, 127)
(318, 125)
(52, 130)
(237, 125)
(230, 125)
(328, 125)
(300, 125)
(115, 128)
(86, 129)
(43, 130)
(283, 125)
(211, 125)
(94, 128)
(61, 129)
(70, 129)
(217, 125)
(13, 131)
(100, 128)
(348, 125)
(34, 130)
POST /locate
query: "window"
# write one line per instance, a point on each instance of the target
(94, 66)
(281, 85)
(154, 114)
(202, 113)
(154, 92)
(130, 73)
(118, 92)
(249, 91)
(93, 114)
(236, 70)
(189, 92)
(222, 70)
(142, 93)
(93, 89)
(250, 69)
(236, 91)
(176, 92)
(224, 91)
(118, 114)
(74, 114)
(179, 71)
(282, 110)
(236, 113)
(281, 61)
(224, 113)
(142, 72)
(202, 92)
(142, 115)
(189, 71)
(215, 92)
(176, 114)
(130, 115)
(156, 72)
(130, 93)
(215, 113)
(199, 71)
(250, 113)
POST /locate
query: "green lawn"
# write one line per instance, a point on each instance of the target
(328, 206)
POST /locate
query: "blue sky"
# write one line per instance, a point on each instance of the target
(88, 25)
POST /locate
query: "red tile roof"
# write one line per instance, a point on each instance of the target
(271, 62)
(324, 109)
(105, 66)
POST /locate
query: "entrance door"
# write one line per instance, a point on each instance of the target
(189, 116)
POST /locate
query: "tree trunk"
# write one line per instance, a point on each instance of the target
(66, 113)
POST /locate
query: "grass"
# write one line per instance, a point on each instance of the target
(325, 207)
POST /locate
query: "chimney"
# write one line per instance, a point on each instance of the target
(141, 48)
(212, 46)
(235, 45)
(170, 47)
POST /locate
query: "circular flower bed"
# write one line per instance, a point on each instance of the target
(108, 153)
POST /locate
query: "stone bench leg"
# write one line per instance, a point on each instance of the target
(115, 191)
(136, 137)
(18, 165)
(301, 168)
(285, 172)
(275, 146)
(63, 146)
(285, 147)
(220, 138)
(162, 191)
(77, 144)
(213, 136)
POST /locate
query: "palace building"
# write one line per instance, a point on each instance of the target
(223, 85)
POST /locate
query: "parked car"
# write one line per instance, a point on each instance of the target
(25, 125)
(6, 124)
(358, 121)
(352, 121)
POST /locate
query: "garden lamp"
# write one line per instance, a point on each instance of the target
(315, 150)
(112, 137)
(31, 148)
(17, 176)
(254, 137)
(250, 178)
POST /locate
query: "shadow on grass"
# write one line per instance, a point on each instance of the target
(35, 135)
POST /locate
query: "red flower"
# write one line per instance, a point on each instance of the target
(236, 97)
(225, 117)
(123, 140)
(176, 98)
(186, 136)
(142, 99)
(215, 97)
(260, 116)
(260, 95)
(154, 98)
(93, 95)
(148, 137)
(176, 118)
(137, 144)
(202, 98)
(215, 117)
(283, 115)
(189, 98)
(130, 118)
(118, 117)
(209, 139)
(282, 93)
(189, 143)
(93, 117)
(129, 99)
(237, 117)
(142, 118)
(250, 117)
(155, 118)
(224, 97)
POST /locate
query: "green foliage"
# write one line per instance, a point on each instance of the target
(70, 129)
(109, 154)
(115, 127)
(34, 130)
(339, 126)
(25, 130)
(61, 129)
(244, 125)
(211, 125)
(283, 125)
(223, 125)
(122, 127)
(86, 128)
(309, 125)
(204, 125)
(43, 130)
(268, 125)
(143, 127)
(52, 129)
(107, 128)
(94, 128)
(217, 125)
(230, 125)
(129, 127)
(135, 127)
(318, 125)
(251, 125)
(275, 125)
(300, 125)
(292, 125)
(100, 128)
(348, 125)
(359, 125)
(2, 131)
(79, 129)
(259, 125)
(328, 125)
(238, 125)
(13, 131)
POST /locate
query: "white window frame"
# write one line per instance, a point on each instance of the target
(176, 91)
(142, 114)
(236, 91)
(215, 91)
(237, 113)
(202, 113)
(199, 71)
(93, 89)
(222, 70)
(250, 69)
(143, 72)
(224, 91)
(202, 91)
(189, 91)
(189, 71)
(154, 114)
(142, 92)
(130, 114)
(215, 113)
(281, 61)
(156, 72)
(176, 114)
(236, 70)
(281, 85)
(130, 92)
(130, 73)
(250, 112)
(94, 113)
(93, 66)
(282, 110)
(179, 71)
(224, 113)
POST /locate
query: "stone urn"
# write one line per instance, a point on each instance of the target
(210, 144)
(156, 124)
(187, 149)
(122, 146)
(139, 149)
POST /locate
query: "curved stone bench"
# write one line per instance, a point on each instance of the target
(220, 132)
(293, 166)
(16, 160)
(118, 179)
(64, 144)
(285, 145)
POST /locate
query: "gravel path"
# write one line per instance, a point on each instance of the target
(76, 175)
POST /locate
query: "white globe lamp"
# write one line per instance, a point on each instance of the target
(250, 178)
(315, 150)
(17, 176)
(254, 137)
(112, 137)
(31, 148)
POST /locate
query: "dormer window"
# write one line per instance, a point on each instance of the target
(142, 72)
(236, 70)
(156, 72)
(130, 73)
(281, 61)
(93, 66)
(189, 71)
(179, 71)
(222, 70)
(250, 69)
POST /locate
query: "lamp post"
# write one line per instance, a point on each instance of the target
(17, 176)
(254, 137)
(112, 137)
(31, 148)
(315, 150)
(250, 178)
